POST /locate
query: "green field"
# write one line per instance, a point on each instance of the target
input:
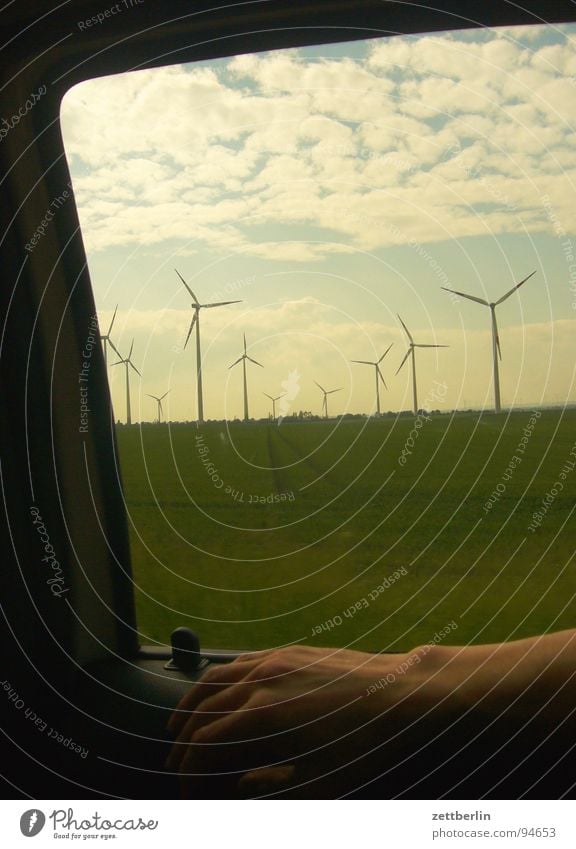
(217, 548)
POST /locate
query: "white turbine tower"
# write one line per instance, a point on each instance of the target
(106, 340)
(412, 345)
(277, 398)
(378, 374)
(159, 402)
(242, 360)
(326, 394)
(197, 306)
(127, 362)
(496, 352)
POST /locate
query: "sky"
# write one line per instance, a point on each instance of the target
(331, 190)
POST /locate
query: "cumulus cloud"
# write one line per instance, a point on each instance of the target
(451, 135)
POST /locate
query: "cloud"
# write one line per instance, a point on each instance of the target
(451, 135)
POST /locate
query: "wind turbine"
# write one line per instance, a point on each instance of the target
(496, 352)
(106, 340)
(127, 362)
(326, 394)
(242, 360)
(412, 345)
(197, 306)
(277, 398)
(377, 374)
(159, 402)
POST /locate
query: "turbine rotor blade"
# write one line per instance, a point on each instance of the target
(269, 396)
(113, 346)
(191, 327)
(187, 286)
(406, 355)
(470, 297)
(507, 295)
(496, 334)
(431, 346)
(220, 304)
(253, 361)
(236, 363)
(130, 363)
(384, 354)
(321, 388)
(112, 322)
(131, 349)
(379, 373)
(165, 394)
(363, 362)
(408, 334)
(331, 391)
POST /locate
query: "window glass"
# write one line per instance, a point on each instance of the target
(382, 452)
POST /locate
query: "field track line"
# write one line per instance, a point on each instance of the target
(282, 476)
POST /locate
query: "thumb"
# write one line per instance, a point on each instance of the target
(265, 780)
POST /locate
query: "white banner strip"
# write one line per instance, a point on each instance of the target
(290, 824)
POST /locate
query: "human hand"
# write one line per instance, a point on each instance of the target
(295, 718)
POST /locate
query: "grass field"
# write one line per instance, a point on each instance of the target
(256, 535)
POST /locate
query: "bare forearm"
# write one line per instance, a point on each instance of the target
(337, 718)
(519, 679)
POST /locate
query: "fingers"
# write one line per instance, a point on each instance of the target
(214, 762)
(225, 701)
(214, 679)
(248, 715)
(254, 735)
